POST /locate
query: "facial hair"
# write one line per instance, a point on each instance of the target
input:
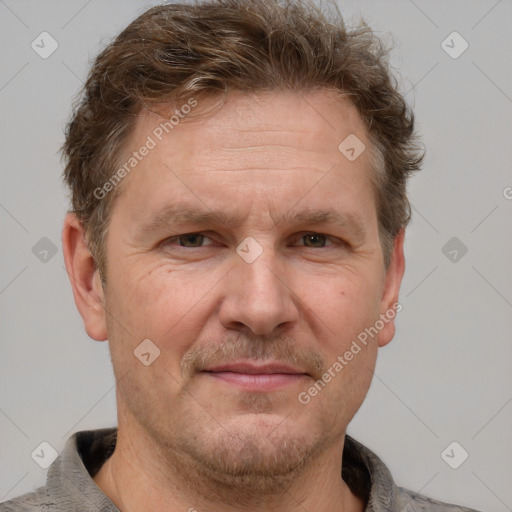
(230, 460)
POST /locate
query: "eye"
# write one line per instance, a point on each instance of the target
(315, 240)
(197, 240)
(190, 240)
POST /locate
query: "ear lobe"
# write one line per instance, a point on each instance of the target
(84, 277)
(390, 306)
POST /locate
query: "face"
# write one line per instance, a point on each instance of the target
(245, 247)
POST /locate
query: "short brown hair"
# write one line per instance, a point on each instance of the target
(173, 52)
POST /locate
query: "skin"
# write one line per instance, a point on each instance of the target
(188, 439)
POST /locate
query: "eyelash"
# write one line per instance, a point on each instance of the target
(337, 241)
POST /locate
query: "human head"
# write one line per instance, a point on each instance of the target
(267, 163)
(176, 52)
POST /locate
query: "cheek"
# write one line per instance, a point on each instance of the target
(161, 305)
(338, 395)
(350, 358)
(343, 305)
(155, 309)
(354, 380)
(154, 297)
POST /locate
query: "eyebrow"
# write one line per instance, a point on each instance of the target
(181, 213)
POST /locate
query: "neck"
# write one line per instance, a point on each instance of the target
(141, 476)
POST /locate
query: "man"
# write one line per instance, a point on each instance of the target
(238, 173)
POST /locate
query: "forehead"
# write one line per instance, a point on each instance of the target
(314, 121)
(258, 144)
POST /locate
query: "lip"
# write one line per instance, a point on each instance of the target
(252, 368)
(256, 377)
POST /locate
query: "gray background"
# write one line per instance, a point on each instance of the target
(446, 376)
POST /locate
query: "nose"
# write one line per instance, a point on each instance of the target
(258, 296)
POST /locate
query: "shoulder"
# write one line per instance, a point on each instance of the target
(408, 501)
(361, 465)
(69, 485)
(32, 501)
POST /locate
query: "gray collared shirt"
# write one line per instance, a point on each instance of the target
(70, 487)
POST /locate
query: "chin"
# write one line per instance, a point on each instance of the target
(257, 454)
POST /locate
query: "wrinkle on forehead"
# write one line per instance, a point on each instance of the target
(252, 142)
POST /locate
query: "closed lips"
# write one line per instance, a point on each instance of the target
(255, 369)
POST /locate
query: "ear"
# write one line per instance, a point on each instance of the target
(389, 305)
(84, 277)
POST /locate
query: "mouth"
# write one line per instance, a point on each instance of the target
(256, 377)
